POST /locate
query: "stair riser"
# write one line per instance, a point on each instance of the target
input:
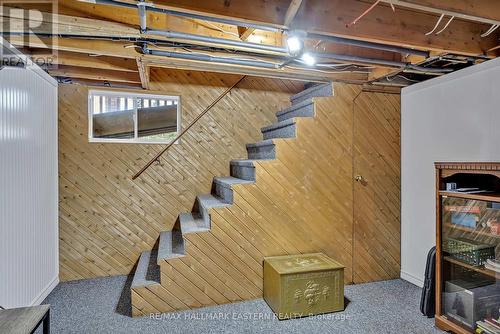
(243, 172)
(225, 193)
(177, 243)
(204, 215)
(284, 132)
(262, 152)
(305, 111)
(326, 90)
(171, 245)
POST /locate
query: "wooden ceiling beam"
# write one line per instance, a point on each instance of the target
(406, 27)
(245, 32)
(95, 74)
(85, 60)
(97, 47)
(107, 48)
(269, 12)
(66, 24)
(144, 72)
(100, 83)
(302, 75)
(292, 10)
(164, 21)
(402, 28)
(484, 11)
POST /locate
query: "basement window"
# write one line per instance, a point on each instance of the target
(125, 117)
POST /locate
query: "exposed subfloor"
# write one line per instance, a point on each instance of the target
(102, 306)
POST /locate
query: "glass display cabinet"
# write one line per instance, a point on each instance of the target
(468, 247)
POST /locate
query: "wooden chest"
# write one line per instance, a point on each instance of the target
(303, 285)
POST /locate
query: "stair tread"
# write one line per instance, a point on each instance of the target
(267, 142)
(242, 162)
(295, 107)
(279, 125)
(141, 276)
(192, 223)
(247, 162)
(166, 248)
(230, 180)
(308, 91)
(208, 201)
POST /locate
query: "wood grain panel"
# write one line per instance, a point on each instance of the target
(377, 197)
(106, 219)
(302, 201)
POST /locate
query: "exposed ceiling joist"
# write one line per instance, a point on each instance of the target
(382, 25)
(84, 60)
(98, 47)
(271, 12)
(121, 49)
(65, 24)
(303, 75)
(95, 74)
(484, 11)
(144, 73)
(245, 32)
(292, 10)
(214, 38)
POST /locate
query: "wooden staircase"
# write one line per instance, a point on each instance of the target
(200, 263)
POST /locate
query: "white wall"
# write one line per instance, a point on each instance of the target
(452, 118)
(29, 264)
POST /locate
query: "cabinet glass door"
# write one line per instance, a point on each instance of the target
(470, 239)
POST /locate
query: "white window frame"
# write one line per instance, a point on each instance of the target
(134, 96)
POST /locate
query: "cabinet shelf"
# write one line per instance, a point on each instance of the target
(471, 230)
(481, 269)
(490, 197)
(461, 220)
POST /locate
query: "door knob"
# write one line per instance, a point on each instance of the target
(358, 178)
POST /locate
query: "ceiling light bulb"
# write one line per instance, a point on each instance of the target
(308, 59)
(294, 44)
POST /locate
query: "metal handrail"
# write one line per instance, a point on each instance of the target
(207, 109)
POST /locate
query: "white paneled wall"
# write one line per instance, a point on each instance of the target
(455, 117)
(28, 186)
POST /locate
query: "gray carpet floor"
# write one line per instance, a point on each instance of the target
(102, 306)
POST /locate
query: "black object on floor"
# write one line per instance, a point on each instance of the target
(428, 299)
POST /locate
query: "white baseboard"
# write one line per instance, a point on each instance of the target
(45, 292)
(418, 281)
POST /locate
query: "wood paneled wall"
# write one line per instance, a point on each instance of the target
(106, 219)
(377, 199)
(303, 201)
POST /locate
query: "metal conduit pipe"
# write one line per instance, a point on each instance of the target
(382, 62)
(141, 6)
(369, 45)
(340, 40)
(221, 41)
(428, 69)
(207, 58)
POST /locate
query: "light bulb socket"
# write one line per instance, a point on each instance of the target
(295, 42)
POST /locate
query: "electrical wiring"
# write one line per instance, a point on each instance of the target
(436, 26)
(491, 30)
(322, 71)
(363, 14)
(213, 26)
(391, 78)
(446, 25)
